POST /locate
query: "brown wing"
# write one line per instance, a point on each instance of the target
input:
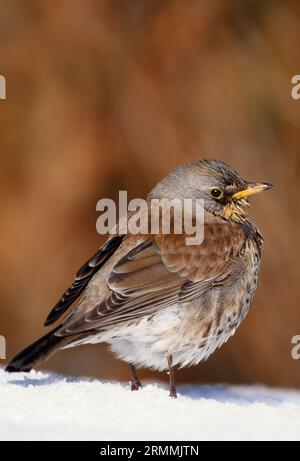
(159, 273)
(82, 278)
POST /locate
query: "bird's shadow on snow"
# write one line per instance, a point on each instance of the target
(25, 380)
(241, 395)
(225, 394)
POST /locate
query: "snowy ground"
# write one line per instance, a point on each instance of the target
(40, 406)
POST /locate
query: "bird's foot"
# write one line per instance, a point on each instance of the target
(135, 382)
(135, 385)
(173, 393)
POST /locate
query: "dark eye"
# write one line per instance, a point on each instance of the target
(216, 193)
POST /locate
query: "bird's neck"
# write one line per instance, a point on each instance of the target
(251, 231)
(244, 222)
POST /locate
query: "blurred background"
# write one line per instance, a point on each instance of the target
(109, 95)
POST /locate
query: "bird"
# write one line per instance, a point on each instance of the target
(158, 302)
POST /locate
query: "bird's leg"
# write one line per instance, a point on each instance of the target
(173, 392)
(135, 382)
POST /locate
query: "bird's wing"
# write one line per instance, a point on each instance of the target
(82, 278)
(158, 273)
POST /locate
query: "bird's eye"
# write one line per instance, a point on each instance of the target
(216, 193)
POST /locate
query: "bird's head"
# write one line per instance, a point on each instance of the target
(223, 191)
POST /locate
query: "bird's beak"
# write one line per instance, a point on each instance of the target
(252, 188)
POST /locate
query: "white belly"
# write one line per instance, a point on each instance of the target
(146, 342)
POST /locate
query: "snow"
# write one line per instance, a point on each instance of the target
(44, 406)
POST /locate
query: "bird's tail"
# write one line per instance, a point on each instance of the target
(37, 352)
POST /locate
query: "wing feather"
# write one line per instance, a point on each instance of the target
(82, 278)
(161, 272)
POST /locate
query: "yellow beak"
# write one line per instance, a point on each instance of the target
(252, 188)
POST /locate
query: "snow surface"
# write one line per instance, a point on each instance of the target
(43, 406)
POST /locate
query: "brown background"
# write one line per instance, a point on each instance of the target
(108, 95)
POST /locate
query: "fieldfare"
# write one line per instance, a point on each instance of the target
(157, 301)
